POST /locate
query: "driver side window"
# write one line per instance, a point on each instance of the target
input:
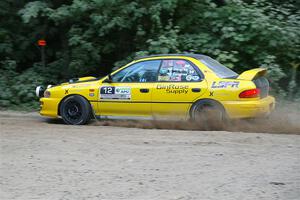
(145, 71)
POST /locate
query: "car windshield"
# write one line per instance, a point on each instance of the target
(219, 69)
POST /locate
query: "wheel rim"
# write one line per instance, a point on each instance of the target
(206, 113)
(73, 111)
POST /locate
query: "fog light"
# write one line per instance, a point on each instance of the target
(39, 90)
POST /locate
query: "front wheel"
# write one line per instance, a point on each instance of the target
(75, 110)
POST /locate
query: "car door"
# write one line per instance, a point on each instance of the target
(179, 84)
(130, 92)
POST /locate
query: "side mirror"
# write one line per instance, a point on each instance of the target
(108, 80)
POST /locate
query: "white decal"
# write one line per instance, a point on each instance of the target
(196, 78)
(225, 84)
(189, 77)
(110, 92)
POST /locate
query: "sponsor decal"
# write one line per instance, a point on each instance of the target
(66, 91)
(191, 71)
(196, 78)
(174, 89)
(110, 92)
(189, 77)
(211, 94)
(225, 84)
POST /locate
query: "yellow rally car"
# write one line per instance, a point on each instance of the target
(181, 86)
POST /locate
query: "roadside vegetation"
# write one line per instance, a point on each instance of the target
(94, 37)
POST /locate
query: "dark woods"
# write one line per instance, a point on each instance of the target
(93, 37)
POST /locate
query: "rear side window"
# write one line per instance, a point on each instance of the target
(219, 69)
(177, 71)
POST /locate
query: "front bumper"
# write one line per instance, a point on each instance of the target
(249, 109)
(49, 107)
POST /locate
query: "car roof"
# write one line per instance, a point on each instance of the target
(196, 56)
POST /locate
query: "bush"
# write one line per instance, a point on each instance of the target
(18, 89)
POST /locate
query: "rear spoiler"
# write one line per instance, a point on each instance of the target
(252, 74)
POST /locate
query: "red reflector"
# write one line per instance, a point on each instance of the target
(42, 42)
(250, 93)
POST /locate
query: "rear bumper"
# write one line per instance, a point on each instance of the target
(49, 107)
(249, 109)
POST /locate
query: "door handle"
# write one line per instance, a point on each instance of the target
(196, 90)
(144, 90)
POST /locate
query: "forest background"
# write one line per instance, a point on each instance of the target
(94, 37)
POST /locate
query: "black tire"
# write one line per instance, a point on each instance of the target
(75, 110)
(208, 114)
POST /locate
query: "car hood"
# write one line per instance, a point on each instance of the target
(76, 82)
(81, 80)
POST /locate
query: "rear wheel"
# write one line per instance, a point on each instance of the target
(208, 115)
(75, 110)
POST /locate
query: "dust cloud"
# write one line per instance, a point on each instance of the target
(285, 119)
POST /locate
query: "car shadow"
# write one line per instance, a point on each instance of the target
(54, 121)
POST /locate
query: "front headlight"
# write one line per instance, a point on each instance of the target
(46, 94)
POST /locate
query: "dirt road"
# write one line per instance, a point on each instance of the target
(45, 160)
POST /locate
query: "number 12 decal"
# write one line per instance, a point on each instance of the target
(110, 92)
(107, 90)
